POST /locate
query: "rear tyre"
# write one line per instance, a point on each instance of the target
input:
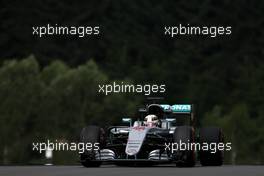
(211, 136)
(92, 135)
(184, 135)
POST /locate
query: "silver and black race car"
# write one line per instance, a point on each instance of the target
(155, 137)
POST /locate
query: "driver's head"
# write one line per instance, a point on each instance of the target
(151, 120)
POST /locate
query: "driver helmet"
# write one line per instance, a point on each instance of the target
(151, 120)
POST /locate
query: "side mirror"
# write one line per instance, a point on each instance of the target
(171, 119)
(168, 111)
(142, 110)
(169, 122)
(127, 120)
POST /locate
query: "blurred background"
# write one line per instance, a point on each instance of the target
(49, 85)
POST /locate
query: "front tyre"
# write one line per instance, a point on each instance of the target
(184, 135)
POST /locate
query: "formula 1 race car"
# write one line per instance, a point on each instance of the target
(153, 138)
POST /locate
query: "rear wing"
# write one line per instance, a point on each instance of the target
(187, 109)
(178, 108)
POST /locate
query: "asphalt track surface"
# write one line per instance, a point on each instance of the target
(108, 170)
